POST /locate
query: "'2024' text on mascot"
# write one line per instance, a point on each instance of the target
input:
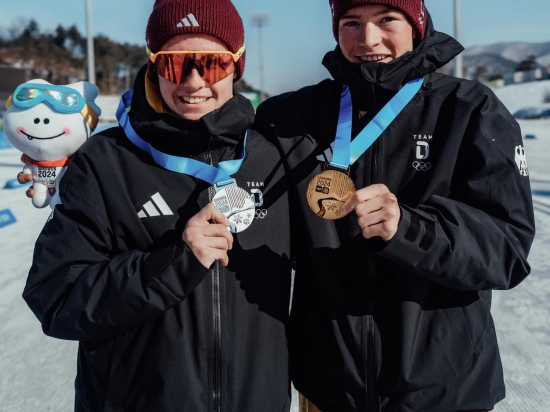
(49, 123)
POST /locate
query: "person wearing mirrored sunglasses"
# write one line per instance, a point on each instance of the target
(413, 194)
(168, 259)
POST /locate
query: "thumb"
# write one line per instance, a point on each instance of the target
(347, 207)
(216, 216)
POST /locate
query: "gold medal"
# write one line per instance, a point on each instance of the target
(327, 192)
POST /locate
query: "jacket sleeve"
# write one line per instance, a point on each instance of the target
(479, 236)
(82, 287)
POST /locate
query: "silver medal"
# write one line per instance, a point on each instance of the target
(237, 205)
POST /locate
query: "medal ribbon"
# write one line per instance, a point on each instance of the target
(347, 152)
(217, 176)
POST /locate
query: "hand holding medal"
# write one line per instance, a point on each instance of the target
(207, 235)
(377, 210)
(329, 191)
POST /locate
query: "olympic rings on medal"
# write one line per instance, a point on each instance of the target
(261, 213)
(421, 166)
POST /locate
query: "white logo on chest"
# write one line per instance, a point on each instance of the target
(257, 194)
(255, 184)
(521, 161)
(257, 198)
(422, 152)
(157, 206)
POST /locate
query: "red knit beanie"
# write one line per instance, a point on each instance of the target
(217, 18)
(413, 9)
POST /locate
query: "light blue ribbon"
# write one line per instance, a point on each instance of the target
(347, 152)
(217, 176)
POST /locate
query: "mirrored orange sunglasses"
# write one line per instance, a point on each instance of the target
(212, 66)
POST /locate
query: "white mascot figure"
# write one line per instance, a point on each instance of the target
(49, 123)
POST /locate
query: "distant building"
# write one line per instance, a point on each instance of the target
(495, 81)
(533, 75)
(528, 70)
(539, 73)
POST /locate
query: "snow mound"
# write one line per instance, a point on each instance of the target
(108, 106)
(519, 96)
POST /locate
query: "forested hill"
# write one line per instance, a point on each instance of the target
(60, 56)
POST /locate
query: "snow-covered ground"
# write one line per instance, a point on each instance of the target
(518, 96)
(37, 372)
(522, 315)
(108, 106)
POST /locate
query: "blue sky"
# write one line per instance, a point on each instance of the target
(299, 32)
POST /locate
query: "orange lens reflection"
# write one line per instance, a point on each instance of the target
(212, 67)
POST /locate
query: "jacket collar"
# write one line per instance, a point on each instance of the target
(172, 134)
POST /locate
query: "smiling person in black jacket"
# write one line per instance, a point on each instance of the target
(173, 312)
(392, 298)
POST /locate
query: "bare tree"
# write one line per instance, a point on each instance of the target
(16, 29)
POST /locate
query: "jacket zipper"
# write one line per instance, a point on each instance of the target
(217, 337)
(372, 398)
(216, 313)
(368, 324)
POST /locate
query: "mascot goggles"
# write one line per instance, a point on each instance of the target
(60, 98)
(175, 66)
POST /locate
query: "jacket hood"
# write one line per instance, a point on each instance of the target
(172, 134)
(434, 51)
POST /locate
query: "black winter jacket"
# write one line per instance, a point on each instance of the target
(405, 326)
(158, 332)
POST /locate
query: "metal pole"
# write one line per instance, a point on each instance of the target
(91, 57)
(458, 59)
(262, 84)
(260, 20)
